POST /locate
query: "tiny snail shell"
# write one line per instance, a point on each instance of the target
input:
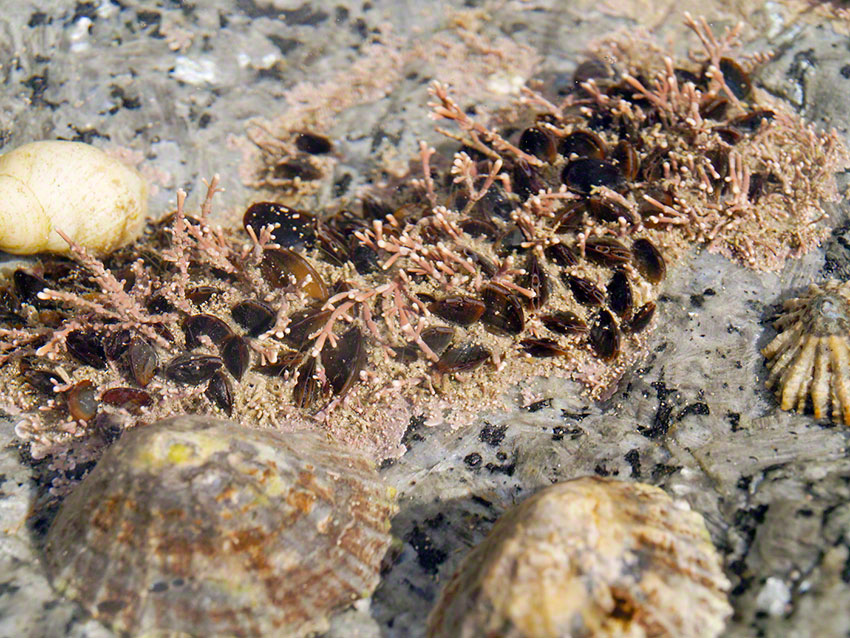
(591, 557)
(94, 199)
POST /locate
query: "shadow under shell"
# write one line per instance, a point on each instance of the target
(204, 528)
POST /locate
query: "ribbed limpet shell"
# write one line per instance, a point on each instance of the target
(589, 558)
(810, 357)
(198, 527)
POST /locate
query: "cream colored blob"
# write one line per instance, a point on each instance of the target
(94, 199)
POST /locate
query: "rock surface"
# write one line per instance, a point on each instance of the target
(172, 88)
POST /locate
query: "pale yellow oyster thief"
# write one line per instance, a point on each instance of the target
(589, 558)
(810, 357)
(198, 527)
(76, 188)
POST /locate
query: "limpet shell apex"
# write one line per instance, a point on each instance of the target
(589, 558)
(91, 197)
(199, 527)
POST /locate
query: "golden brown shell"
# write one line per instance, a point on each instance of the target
(199, 527)
(810, 357)
(592, 557)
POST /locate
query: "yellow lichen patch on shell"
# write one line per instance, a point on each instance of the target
(810, 357)
(591, 557)
(71, 187)
(198, 527)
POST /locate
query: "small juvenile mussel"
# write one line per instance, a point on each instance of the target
(202, 528)
(589, 558)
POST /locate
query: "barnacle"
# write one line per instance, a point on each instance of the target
(198, 527)
(810, 355)
(541, 257)
(589, 557)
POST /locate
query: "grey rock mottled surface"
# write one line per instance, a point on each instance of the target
(172, 81)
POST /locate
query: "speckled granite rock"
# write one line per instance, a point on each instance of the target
(174, 85)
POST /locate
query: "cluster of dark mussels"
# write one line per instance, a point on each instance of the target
(538, 249)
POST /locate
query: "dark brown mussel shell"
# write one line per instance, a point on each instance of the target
(463, 311)
(307, 388)
(209, 325)
(609, 211)
(496, 204)
(585, 292)
(158, 303)
(542, 347)
(130, 399)
(220, 392)
(751, 122)
(504, 313)
(714, 107)
(116, 344)
(81, 400)
(736, 78)
(604, 336)
(592, 69)
(526, 179)
(438, 338)
(620, 298)
(192, 369)
(583, 144)
(585, 173)
(571, 219)
(729, 134)
(478, 228)
(462, 358)
(201, 294)
(648, 261)
(561, 254)
(486, 266)
(236, 354)
(302, 324)
(344, 362)
(86, 347)
(365, 259)
(332, 245)
(290, 169)
(142, 361)
(42, 380)
(538, 142)
(536, 280)
(280, 267)
(564, 323)
(255, 316)
(28, 285)
(313, 143)
(627, 159)
(641, 318)
(407, 353)
(295, 228)
(511, 241)
(606, 251)
(286, 363)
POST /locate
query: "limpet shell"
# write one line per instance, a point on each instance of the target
(589, 558)
(199, 527)
(93, 198)
(810, 357)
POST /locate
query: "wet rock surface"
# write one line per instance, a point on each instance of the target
(171, 84)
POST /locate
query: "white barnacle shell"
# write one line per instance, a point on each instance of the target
(810, 357)
(589, 558)
(199, 527)
(69, 186)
